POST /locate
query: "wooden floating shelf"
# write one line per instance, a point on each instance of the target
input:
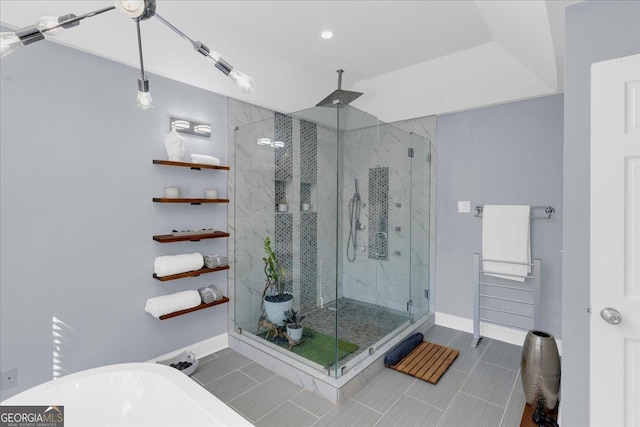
(169, 238)
(192, 201)
(224, 300)
(195, 166)
(190, 273)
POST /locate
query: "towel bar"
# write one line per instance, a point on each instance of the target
(549, 210)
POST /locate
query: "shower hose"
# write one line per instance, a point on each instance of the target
(354, 215)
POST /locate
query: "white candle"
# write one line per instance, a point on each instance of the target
(172, 192)
(211, 193)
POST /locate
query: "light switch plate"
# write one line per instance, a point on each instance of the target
(464, 206)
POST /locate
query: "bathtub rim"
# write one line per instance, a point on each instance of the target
(222, 413)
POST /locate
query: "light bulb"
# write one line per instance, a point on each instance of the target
(244, 82)
(130, 8)
(144, 100)
(45, 23)
(8, 43)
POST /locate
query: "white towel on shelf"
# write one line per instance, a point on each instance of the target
(165, 304)
(506, 237)
(175, 264)
(203, 159)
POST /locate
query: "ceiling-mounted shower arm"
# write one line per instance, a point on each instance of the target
(340, 79)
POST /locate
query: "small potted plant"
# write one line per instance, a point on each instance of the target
(294, 324)
(274, 298)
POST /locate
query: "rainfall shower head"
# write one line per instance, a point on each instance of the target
(339, 96)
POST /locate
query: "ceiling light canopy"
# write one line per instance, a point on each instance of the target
(133, 8)
(137, 10)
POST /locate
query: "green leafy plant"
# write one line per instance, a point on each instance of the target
(275, 276)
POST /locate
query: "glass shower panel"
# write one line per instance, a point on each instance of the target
(344, 199)
(420, 224)
(254, 207)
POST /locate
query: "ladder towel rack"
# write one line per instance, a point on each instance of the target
(529, 298)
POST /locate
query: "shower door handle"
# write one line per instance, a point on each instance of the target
(385, 236)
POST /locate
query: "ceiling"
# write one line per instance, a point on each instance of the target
(410, 58)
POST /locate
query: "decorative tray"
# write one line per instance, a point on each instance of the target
(185, 362)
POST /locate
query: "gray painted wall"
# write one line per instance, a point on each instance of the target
(595, 31)
(77, 216)
(507, 154)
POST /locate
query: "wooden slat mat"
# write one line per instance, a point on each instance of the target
(427, 361)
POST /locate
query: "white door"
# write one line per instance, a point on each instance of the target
(615, 242)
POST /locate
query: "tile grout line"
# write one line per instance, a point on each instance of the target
(485, 401)
(462, 385)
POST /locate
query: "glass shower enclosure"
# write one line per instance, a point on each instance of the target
(344, 200)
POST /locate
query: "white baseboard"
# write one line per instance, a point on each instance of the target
(201, 349)
(489, 330)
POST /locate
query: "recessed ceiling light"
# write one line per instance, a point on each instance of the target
(326, 35)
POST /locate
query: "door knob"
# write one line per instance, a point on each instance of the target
(611, 315)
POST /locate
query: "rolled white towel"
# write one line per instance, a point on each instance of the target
(165, 304)
(175, 264)
(203, 159)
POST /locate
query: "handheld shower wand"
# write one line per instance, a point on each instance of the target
(354, 223)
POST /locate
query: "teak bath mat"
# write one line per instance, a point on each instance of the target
(427, 361)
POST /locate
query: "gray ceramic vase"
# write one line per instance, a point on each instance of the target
(540, 370)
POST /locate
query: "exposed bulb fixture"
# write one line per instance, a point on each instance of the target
(144, 97)
(138, 10)
(326, 35)
(8, 43)
(244, 82)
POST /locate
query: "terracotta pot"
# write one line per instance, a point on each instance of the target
(540, 370)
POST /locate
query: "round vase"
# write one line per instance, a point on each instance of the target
(295, 333)
(540, 370)
(275, 310)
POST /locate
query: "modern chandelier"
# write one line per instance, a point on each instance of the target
(138, 10)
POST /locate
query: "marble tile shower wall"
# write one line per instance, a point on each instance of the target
(262, 176)
(250, 164)
(386, 282)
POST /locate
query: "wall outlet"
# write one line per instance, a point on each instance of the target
(9, 379)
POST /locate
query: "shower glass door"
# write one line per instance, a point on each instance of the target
(343, 198)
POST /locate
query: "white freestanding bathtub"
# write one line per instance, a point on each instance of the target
(131, 394)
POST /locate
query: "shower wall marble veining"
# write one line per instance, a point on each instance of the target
(301, 171)
(394, 189)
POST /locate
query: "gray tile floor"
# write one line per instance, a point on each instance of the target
(481, 388)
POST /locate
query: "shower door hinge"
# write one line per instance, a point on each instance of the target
(410, 153)
(429, 158)
(426, 293)
(409, 304)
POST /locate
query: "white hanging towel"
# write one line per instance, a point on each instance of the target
(506, 236)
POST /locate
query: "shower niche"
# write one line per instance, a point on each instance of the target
(353, 241)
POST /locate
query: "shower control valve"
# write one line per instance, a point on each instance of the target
(359, 226)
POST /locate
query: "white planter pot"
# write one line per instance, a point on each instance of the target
(275, 310)
(295, 333)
